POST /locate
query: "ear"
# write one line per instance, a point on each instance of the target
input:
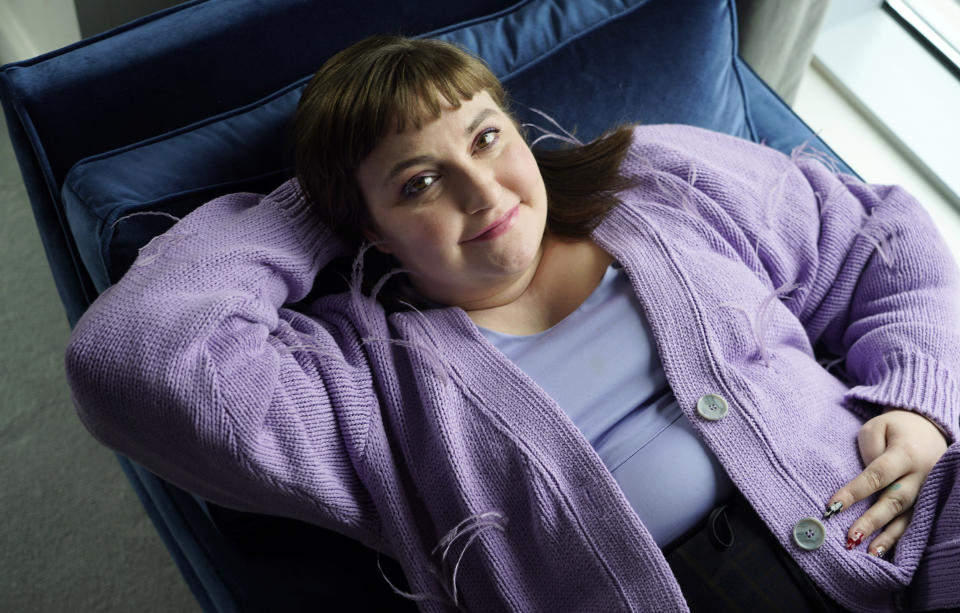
(373, 237)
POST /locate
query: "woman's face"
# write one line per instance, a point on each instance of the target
(460, 203)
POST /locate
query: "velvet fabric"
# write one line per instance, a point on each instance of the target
(552, 56)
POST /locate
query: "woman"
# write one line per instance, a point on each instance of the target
(592, 365)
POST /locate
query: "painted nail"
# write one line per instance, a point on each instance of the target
(879, 551)
(833, 508)
(856, 540)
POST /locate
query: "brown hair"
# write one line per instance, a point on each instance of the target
(350, 103)
(360, 92)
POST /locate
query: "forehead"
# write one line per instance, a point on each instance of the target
(450, 115)
(416, 105)
(452, 126)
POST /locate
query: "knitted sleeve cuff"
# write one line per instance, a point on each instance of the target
(915, 382)
(302, 224)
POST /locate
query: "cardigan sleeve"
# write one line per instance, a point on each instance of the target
(873, 282)
(190, 365)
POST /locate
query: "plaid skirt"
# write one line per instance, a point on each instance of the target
(731, 562)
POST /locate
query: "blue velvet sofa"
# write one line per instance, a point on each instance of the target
(167, 112)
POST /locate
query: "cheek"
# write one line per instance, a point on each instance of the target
(437, 233)
(524, 174)
(424, 234)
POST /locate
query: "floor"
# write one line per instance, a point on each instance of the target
(74, 536)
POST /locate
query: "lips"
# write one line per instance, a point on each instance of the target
(498, 227)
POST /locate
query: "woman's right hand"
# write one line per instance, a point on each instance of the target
(899, 448)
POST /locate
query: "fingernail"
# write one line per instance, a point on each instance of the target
(879, 551)
(833, 508)
(853, 542)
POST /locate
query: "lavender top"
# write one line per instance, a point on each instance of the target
(601, 366)
(753, 268)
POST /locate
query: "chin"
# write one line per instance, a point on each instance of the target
(518, 261)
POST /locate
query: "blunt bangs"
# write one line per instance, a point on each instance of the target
(423, 88)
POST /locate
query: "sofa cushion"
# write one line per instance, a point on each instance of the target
(589, 64)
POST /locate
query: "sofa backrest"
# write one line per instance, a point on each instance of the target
(590, 64)
(165, 113)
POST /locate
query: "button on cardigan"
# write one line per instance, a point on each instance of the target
(410, 431)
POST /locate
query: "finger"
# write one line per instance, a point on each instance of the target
(885, 541)
(897, 499)
(872, 440)
(878, 474)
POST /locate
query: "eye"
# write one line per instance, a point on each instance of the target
(487, 139)
(418, 184)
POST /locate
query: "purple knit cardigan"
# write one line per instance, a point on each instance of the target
(807, 299)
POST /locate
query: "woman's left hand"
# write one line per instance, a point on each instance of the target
(898, 449)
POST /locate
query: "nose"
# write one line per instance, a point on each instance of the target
(481, 190)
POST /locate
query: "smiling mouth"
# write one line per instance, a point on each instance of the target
(498, 227)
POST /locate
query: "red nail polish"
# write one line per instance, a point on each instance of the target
(856, 540)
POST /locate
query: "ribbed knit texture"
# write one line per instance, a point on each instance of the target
(755, 270)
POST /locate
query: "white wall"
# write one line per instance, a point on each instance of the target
(31, 27)
(95, 16)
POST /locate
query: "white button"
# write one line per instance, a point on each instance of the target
(712, 407)
(809, 533)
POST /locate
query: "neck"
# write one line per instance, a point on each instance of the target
(501, 294)
(567, 272)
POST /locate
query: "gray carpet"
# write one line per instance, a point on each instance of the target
(73, 536)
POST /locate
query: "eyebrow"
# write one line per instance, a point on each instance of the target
(478, 120)
(422, 159)
(405, 164)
